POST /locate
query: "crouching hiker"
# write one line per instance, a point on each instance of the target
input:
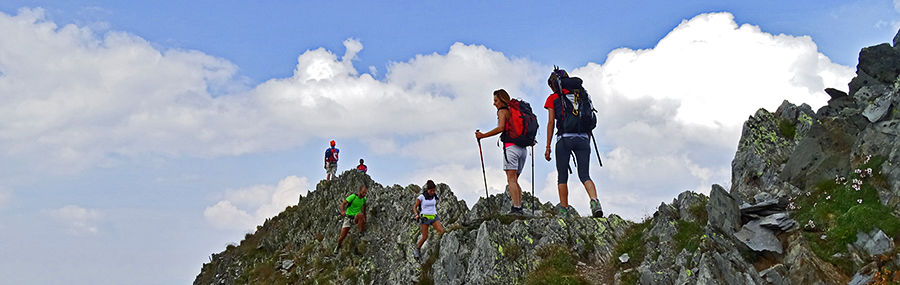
(353, 211)
(429, 216)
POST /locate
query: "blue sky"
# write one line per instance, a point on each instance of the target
(136, 139)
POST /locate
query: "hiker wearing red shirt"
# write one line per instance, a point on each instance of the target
(571, 112)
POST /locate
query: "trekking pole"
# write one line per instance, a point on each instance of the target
(532, 179)
(482, 169)
(597, 150)
(574, 161)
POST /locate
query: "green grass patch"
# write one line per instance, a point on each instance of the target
(511, 250)
(557, 267)
(633, 245)
(263, 273)
(787, 129)
(833, 211)
(350, 273)
(690, 234)
(630, 278)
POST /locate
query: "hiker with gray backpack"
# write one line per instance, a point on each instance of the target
(517, 126)
(572, 112)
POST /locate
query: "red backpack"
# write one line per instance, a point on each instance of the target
(331, 155)
(522, 126)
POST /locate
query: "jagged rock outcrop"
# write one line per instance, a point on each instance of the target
(479, 246)
(836, 169)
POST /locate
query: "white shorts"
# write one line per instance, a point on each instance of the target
(331, 168)
(514, 158)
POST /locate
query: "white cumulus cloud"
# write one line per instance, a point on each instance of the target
(80, 99)
(245, 208)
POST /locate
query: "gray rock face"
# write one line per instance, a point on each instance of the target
(759, 238)
(881, 62)
(761, 151)
(724, 214)
(877, 109)
(874, 243)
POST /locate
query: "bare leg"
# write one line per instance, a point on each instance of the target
(424, 236)
(515, 192)
(591, 190)
(344, 232)
(563, 195)
(438, 227)
(361, 222)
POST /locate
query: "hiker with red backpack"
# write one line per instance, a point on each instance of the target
(518, 127)
(331, 159)
(572, 112)
(362, 167)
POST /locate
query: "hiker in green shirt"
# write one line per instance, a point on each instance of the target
(353, 211)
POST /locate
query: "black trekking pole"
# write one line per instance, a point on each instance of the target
(482, 169)
(532, 180)
(597, 150)
(572, 155)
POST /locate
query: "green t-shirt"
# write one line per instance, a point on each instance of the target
(356, 204)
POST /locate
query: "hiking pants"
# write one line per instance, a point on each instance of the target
(564, 148)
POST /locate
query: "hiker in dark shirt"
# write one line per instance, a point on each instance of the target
(571, 141)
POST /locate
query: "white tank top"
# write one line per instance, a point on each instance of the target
(429, 207)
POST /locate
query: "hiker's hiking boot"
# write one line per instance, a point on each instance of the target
(335, 251)
(516, 211)
(596, 210)
(416, 253)
(565, 211)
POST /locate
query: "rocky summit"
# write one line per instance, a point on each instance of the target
(482, 245)
(814, 199)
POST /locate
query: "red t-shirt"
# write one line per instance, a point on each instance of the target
(550, 99)
(554, 103)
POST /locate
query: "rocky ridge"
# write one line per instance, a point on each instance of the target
(814, 199)
(481, 245)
